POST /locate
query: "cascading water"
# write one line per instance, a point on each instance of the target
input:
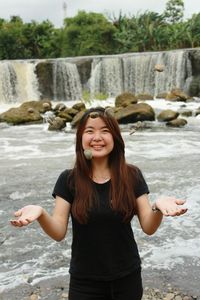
(136, 73)
(106, 77)
(18, 82)
(66, 81)
(110, 75)
(8, 80)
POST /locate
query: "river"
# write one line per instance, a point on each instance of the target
(31, 160)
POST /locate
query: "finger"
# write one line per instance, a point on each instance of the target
(180, 201)
(18, 213)
(15, 223)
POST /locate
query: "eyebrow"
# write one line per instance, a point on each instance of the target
(92, 127)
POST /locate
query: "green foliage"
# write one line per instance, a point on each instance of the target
(95, 34)
(30, 40)
(174, 11)
(88, 34)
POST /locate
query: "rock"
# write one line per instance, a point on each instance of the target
(30, 110)
(77, 118)
(186, 113)
(169, 296)
(177, 95)
(46, 106)
(126, 97)
(159, 68)
(64, 295)
(34, 297)
(177, 123)
(134, 113)
(40, 106)
(197, 112)
(161, 95)
(64, 114)
(59, 107)
(167, 115)
(20, 115)
(56, 124)
(178, 298)
(144, 97)
(79, 106)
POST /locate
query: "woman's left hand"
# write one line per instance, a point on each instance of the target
(171, 206)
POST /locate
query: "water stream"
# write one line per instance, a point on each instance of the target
(31, 160)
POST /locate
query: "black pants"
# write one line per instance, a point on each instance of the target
(125, 288)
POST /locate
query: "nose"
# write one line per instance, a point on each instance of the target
(97, 136)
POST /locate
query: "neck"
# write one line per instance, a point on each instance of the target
(101, 172)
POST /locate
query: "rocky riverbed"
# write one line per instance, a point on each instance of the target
(57, 289)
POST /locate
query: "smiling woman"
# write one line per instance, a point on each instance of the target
(102, 195)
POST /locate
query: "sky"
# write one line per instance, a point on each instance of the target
(53, 10)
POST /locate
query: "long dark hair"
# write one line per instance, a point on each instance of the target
(123, 176)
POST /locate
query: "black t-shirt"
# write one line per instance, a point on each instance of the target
(104, 248)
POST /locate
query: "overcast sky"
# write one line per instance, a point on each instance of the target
(40, 10)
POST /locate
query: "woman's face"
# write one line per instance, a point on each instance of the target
(97, 137)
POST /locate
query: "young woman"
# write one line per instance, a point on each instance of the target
(102, 193)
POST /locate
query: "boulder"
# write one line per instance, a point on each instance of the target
(41, 106)
(134, 113)
(177, 123)
(144, 97)
(27, 112)
(79, 106)
(77, 118)
(161, 95)
(186, 113)
(56, 124)
(19, 115)
(177, 95)
(167, 115)
(125, 99)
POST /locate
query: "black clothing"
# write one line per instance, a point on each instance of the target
(104, 248)
(126, 288)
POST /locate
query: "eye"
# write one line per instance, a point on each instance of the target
(88, 131)
(106, 130)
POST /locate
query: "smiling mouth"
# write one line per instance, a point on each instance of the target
(97, 147)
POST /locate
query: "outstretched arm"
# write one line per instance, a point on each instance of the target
(150, 220)
(54, 225)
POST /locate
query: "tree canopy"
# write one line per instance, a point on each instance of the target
(96, 34)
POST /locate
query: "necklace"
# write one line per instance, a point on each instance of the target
(101, 179)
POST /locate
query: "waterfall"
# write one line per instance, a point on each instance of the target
(18, 82)
(136, 73)
(106, 77)
(66, 81)
(140, 75)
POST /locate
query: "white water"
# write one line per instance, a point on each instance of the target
(31, 160)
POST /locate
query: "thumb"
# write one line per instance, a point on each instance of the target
(180, 201)
(18, 213)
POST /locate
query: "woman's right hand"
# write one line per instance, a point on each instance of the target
(26, 215)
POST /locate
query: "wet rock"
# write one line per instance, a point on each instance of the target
(56, 124)
(144, 97)
(177, 123)
(134, 113)
(159, 68)
(167, 115)
(20, 115)
(177, 95)
(77, 118)
(124, 99)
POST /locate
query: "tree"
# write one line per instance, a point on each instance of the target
(88, 34)
(174, 11)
